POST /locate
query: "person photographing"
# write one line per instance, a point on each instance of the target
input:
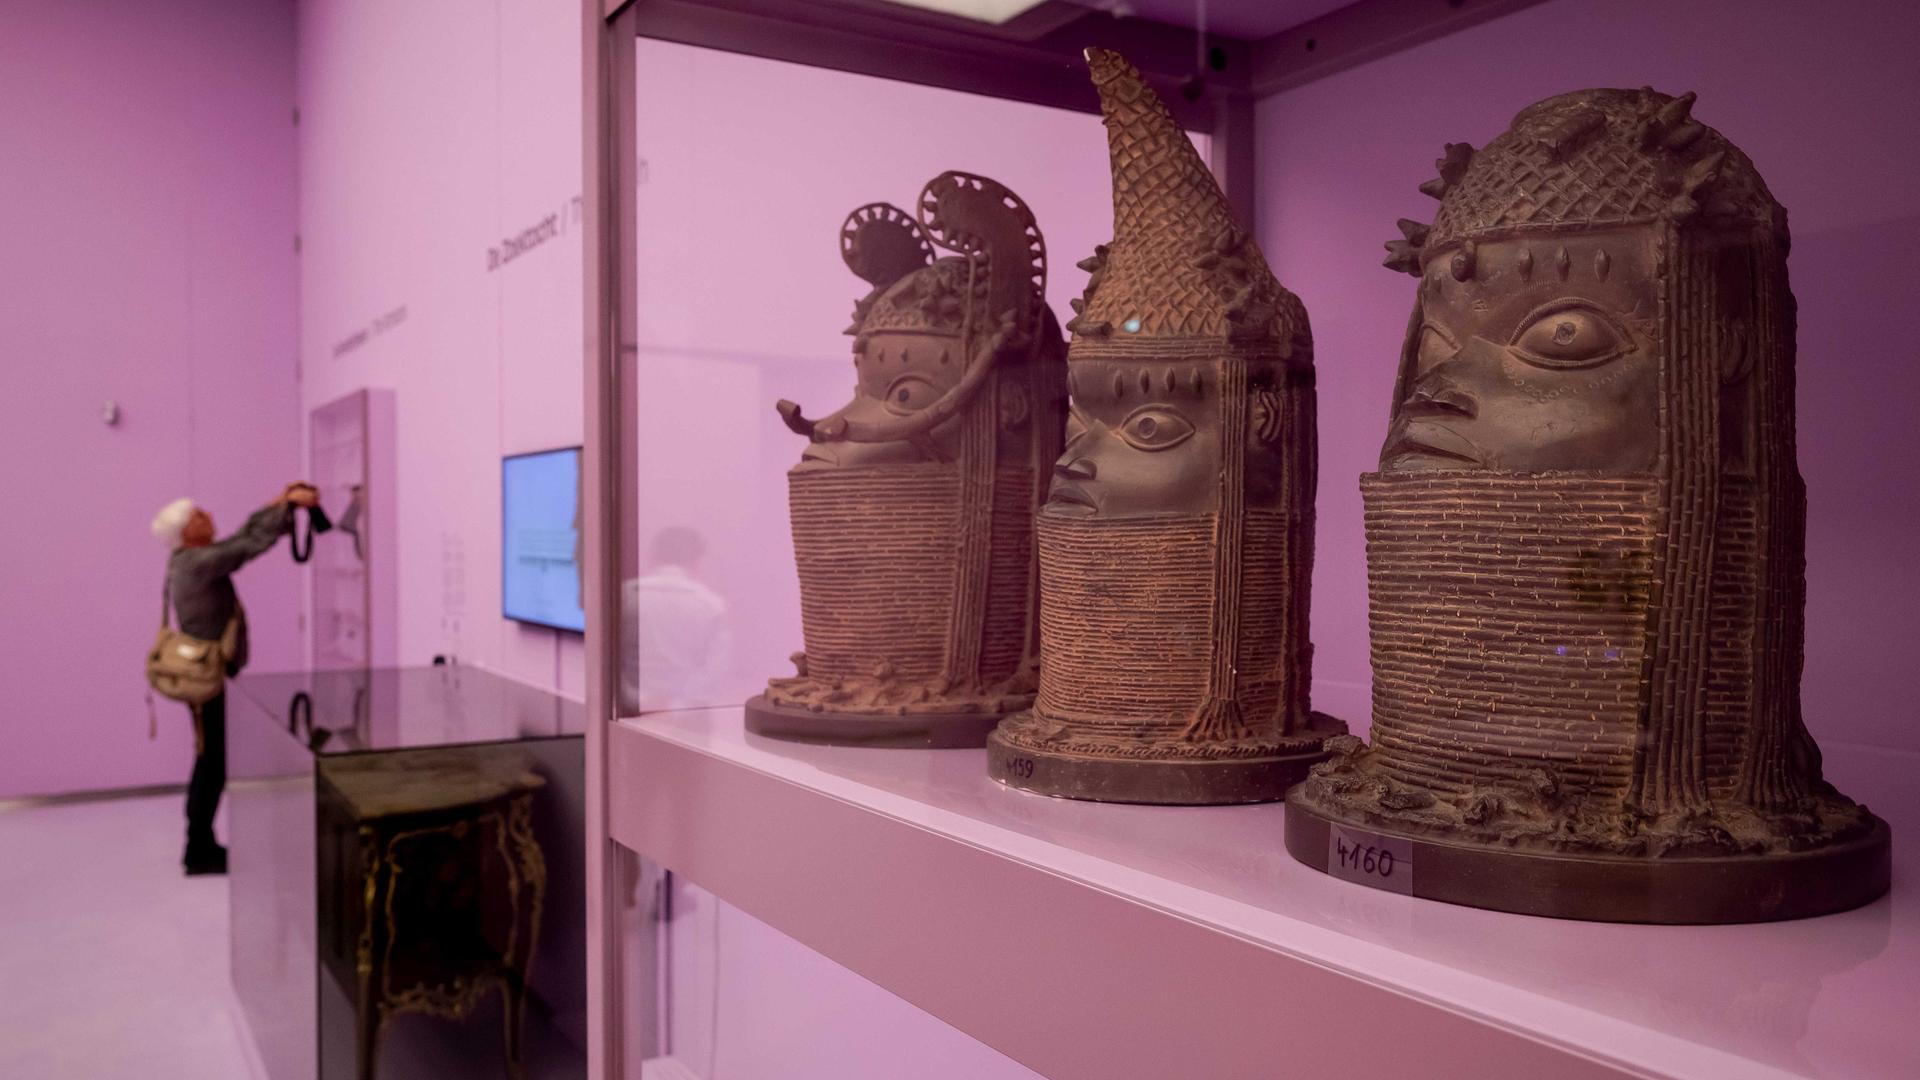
(199, 588)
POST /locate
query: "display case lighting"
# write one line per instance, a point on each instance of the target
(986, 11)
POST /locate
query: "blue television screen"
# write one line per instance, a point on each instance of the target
(540, 539)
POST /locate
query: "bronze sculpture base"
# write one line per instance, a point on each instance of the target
(924, 731)
(1156, 781)
(1605, 888)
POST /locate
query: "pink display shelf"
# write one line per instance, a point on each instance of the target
(1100, 941)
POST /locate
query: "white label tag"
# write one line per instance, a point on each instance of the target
(1384, 862)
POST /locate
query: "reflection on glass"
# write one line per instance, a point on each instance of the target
(679, 648)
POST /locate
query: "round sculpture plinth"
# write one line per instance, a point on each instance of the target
(924, 731)
(1602, 888)
(1071, 774)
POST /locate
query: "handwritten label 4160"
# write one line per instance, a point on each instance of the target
(1384, 862)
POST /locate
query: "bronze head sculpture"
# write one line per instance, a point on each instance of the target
(1176, 546)
(1585, 544)
(912, 506)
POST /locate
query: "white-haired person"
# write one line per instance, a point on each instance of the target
(200, 586)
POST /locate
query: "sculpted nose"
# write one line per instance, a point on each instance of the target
(1435, 394)
(1077, 469)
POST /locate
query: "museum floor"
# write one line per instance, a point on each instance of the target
(113, 966)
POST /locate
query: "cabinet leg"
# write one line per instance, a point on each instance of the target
(513, 1002)
(367, 1030)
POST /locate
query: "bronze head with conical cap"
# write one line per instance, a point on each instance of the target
(1176, 546)
(1585, 543)
(912, 505)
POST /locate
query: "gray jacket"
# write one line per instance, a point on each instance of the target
(199, 583)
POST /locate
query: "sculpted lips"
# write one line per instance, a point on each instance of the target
(1070, 498)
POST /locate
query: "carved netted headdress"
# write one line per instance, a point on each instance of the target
(1178, 267)
(1591, 158)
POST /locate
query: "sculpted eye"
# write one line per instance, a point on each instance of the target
(1155, 427)
(1569, 335)
(909, 394)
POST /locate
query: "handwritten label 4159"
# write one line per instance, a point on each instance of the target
(1384, 862)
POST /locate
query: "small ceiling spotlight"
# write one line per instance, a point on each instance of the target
(986, 11)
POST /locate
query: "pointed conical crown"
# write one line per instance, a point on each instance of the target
(1178, 266)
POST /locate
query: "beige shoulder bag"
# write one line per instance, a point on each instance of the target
(186, 668)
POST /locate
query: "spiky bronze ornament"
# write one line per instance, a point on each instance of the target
(912, 506)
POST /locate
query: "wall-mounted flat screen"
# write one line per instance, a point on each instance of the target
(540, 539)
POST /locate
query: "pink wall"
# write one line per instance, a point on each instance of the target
(147, 202)
(429, 131)
(1822, 97)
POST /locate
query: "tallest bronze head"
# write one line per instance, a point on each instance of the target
(1585, 540)
(1176, 544)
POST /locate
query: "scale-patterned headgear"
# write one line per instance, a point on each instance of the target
(1178, 267)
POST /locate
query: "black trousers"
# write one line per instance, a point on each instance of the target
(209, 777)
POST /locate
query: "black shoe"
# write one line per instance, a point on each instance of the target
(210, 858)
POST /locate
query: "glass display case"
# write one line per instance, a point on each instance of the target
(886, 910)
(406, 881)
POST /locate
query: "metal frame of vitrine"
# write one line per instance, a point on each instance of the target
(1210, 82)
